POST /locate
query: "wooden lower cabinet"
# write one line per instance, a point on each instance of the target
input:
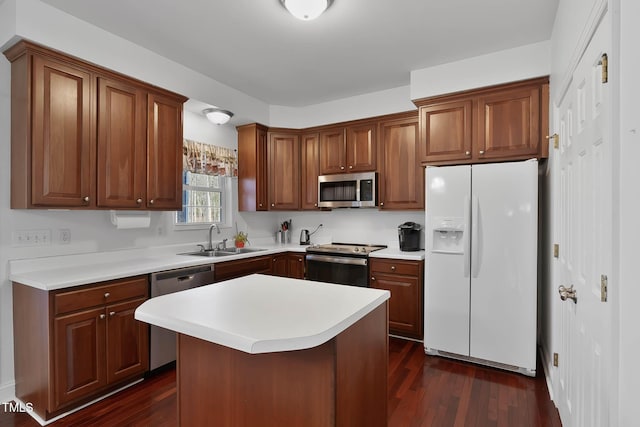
(288, 264)
(404, 279)
(75, 344)
(242, 267)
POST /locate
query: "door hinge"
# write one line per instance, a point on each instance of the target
(555, 139)
(604, 63)
(604, 284)
(555, 359)
(556, 250)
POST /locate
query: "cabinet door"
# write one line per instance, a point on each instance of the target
(252, 168)
(280, 265)
(79, 355)
(508, 124)
(284, 171)
(361, 148)
(295, 266)
(61, 136)
(309, 171)
(242, 267)
(121, 172)
(401, 181)
(127, 341)
(164, 153)
(445, 131)
(404, 280)
(333, 151)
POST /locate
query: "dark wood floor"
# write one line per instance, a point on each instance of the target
(423, 391)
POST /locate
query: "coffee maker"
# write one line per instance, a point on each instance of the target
(409, 236)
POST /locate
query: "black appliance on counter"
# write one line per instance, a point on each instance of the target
(342, 263)
(409, 236)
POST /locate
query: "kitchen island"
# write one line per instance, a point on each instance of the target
(271, 351)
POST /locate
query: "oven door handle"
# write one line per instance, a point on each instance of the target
(336, 259)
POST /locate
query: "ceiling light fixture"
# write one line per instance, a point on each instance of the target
(217, 115)
(306, 9)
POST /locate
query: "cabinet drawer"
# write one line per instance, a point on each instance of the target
(242, 267)
(104, 293)
(408, 268)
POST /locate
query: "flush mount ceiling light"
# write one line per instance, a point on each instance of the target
(217, 115)
(306, 9)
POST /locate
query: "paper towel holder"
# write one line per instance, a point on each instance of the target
(130, 219)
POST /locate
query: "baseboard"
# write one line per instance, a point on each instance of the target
(8, 392)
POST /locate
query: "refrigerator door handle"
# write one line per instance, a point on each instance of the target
(475, 239)
(466, 236)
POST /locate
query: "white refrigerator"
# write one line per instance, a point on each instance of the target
(481, 263)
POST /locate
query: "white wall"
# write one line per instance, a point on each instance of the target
(509, 65)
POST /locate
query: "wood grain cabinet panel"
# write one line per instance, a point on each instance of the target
(333, 151)
(59, 113)
(361, 148)
(405, 282)
(401, 177)
(89, 138)
(289, 264)
(309, 171)
(252, 168)
(284, 171)
(87, 342)
(497, 123)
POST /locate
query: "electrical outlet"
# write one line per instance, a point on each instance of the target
(31, 238)
(64, 236)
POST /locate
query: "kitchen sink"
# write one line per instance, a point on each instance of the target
(223, 252)
(241, 250)
(210, 253)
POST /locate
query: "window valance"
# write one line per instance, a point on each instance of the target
(208, 159)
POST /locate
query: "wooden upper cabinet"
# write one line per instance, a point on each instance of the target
(401, 177)
(509, 123)
(350, 149)
(122, 126)
(361, 148)
(284, 171)
(445, 131)
(164, 156)
(60, 170)
(86, 137)
(309, 171)
(497, 123)
(333, 151)
(252, 168)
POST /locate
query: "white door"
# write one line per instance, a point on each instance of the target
(446, 310)
(504, 263)
(583, 224)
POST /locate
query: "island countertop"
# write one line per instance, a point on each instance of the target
(263, 314)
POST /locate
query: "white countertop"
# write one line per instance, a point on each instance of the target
(263, 314)
(59, 272)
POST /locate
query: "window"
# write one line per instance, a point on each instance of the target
(202, 199)
(207, 170)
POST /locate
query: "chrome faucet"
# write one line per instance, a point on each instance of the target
(210, 237)
(221, 246)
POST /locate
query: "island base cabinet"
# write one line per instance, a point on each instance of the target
(342, 382)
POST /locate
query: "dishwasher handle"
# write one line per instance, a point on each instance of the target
(185, 278)
(181, 274)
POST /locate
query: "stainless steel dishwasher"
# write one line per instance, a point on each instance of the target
(162, 345)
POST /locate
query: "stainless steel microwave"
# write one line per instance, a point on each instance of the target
(348, 190)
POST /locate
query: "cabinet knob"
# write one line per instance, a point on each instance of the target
(467, 153)
(151, 201)
(481, 152)
(299, 259)
(138, 200)
(350, 167)
(393, 268)
(106, 294)
(85, 199)
(111, 313)
(315, 205)
(102, 316)
(381, 203)
(341, 168)
(373, 279)
(260, 204)
(273, 205)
